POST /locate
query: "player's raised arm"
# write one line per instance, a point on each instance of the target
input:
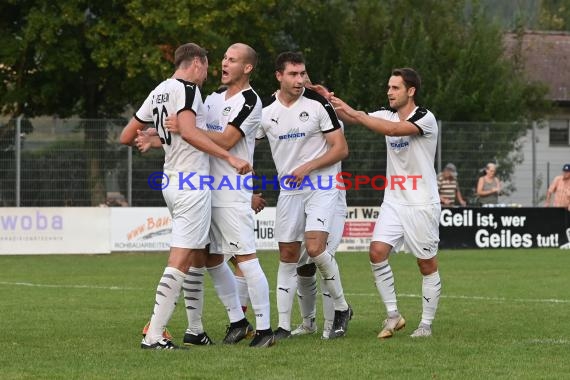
(385, 127)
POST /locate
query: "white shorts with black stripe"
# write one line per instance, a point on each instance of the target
(309, 211)
(415, 226)
(232, 231)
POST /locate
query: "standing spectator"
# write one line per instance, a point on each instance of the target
(448, 187)
(560, 187)
(489, 186)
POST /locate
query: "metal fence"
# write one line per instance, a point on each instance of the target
(75, 162)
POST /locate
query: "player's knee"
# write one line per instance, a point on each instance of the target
(214, 260)
(379, 252)
(288, 256)
(307, 270)
(428, 266)
(316, 247)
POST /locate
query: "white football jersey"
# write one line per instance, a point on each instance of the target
(296, 135)
(171, 97)
(411, 156)
(241, 111)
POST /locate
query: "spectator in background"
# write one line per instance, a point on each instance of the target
(489, 186)
(560, 187)
(448, 187)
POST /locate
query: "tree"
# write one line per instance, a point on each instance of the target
(96, 59)
(460, 56)
(92, 59)
(554, 15)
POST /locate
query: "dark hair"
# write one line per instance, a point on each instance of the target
(411, 79)
(187, 52)
(288, 57)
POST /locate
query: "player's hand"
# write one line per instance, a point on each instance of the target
(241, 166)
(142, 141)
(340, 106)
(322, 90)
(298, 175)
(171, 124)
(151, 132)
(258, 203)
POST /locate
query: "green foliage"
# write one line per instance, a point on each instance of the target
(554, 15)
(95, 59)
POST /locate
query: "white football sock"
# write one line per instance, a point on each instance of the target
(384, 280)
(286, 289)
(329, 271)
(328, 304)
(243, 293)
(307, 296)
(431, 289)
(193, 290)
(258, 289)
(167, 293)
(225, 285)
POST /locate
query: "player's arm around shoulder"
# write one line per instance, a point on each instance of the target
(228, 138)
(197, 137)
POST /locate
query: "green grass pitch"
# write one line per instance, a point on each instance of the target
(503, 314)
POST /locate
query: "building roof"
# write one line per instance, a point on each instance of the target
(546, 59)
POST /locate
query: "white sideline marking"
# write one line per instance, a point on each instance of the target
(68, 286)
(404, 295)
(480, 298)
(548, 341)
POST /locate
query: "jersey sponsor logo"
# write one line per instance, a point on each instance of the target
(226, 111)
(292, 134)
(214, 127)
(304, 116)
(275, 120)
(399, 144)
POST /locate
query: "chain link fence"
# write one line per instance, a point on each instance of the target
(51, 162)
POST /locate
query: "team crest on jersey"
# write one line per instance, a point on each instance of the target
(226, 111)
(304, 116)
